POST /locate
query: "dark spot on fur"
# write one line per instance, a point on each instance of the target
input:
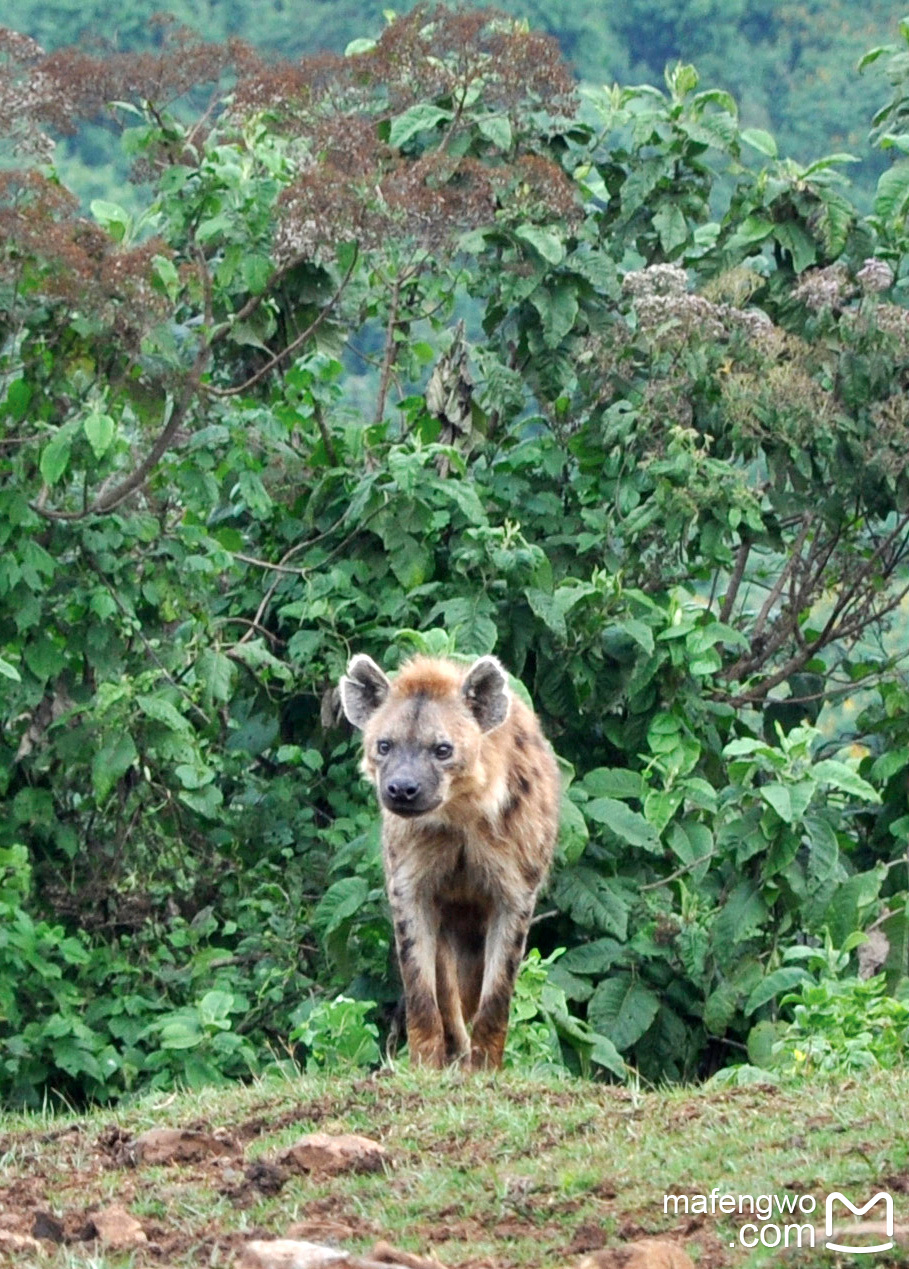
(511, 967)
(401, 928)
(524, 783)
(405, 948)
(520, 739)
(531, 872)
(509, 809)
(519, 941)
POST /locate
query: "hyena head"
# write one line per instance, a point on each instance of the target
(422, 731)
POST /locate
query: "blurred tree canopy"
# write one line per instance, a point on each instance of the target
(790, 63)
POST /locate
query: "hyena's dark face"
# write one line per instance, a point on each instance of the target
(417, 746)
(412, 757)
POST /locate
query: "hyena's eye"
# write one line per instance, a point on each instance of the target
(383, 747)
(443, 751)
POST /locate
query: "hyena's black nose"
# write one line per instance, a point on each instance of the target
(403, 790)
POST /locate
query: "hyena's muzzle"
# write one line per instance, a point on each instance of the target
(409, 784)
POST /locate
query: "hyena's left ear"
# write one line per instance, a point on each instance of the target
(486, 692)
(363, 689)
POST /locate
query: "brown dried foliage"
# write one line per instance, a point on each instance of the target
(430, 54)
(59, 89)
(54, 252)
(355, 187)
(534, 188)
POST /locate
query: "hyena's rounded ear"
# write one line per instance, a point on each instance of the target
(486, 692)
(363, 689)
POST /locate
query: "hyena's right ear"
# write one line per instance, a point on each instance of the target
(363, 689)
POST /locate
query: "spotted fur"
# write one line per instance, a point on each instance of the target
(469, 792)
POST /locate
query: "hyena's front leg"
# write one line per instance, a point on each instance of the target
(505, 940)
(416, 937)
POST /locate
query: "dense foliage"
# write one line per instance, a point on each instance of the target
(790, 63)
(407, 350)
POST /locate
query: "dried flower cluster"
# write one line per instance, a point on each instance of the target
(352, 186)
(875, 276)
(535, 189)
(890, 435)
(827, 288)
(657, 279)
(49, 250)
(663, 305)
(59, 89)
(430, 54)
(780, 399)
(426, 201)
(23, 91)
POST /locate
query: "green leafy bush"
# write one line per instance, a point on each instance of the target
(842, 1027)
(336, 1033)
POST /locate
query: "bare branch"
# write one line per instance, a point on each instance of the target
(741, 560)
(389, 356)
(108, 501)
(780, 582)
(292, 347)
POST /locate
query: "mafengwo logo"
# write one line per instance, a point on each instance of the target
(882, 1197)
(792, 1219)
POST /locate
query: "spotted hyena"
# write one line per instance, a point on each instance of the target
(469, 791)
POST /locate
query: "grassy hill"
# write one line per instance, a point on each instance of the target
(482, 1171)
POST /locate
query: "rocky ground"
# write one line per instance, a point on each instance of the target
(425, 1171)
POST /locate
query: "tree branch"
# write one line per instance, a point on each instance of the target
(292, 347)
(741, 560)
(388, 358)
(780, 582)
(108, 501)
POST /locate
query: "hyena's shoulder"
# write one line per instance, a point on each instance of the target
(524, 765)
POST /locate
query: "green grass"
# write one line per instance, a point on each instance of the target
(515, 1171)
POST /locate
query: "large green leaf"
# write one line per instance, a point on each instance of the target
(587, 896)
(544, 241)
(837, 775)
(55, 456)
(623, 822)
(775, 984)
(892, 199)
(622, 1008)
(99, 429)
(111, 762)
(596, 957)
(417, 119)
(557, 306)
(340, 901)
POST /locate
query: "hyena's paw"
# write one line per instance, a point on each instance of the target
(487, 1056)
(427, 1051)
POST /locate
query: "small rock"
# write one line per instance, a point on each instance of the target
(648, 1253)
(176, 1145)
(386, 1254)
(117, 1229)
(287, 1253)
(321, 1152)
(290, 1253)
(17, 1243)
(320, 1230)
(266, 1178)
